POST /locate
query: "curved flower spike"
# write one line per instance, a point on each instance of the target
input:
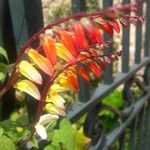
(67, 40)
(92, 32)
(28, 87)
(42, 62)
(64, 53)
(83, 73)
(27, 70)
(48, 45)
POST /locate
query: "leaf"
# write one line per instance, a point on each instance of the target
(4, 69)
(30, 72)
(28, 87)
(6, 143)
(48, 45)
(1, 131)
(64, 137)
(64, 53)
(4, 53)
(42, 62)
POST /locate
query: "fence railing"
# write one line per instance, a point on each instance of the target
(132, 128)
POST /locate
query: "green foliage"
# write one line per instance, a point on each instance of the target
(63, 137)
(3, 53)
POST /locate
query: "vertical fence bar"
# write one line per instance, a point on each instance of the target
(108, 74)
(84, 94)
(1, 20)
(141, 129)
(125, 46)
(147, 32)
(138, 38)
(132, 142)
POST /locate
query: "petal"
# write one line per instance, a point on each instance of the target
(51, 108)
(57, 100)
(115, 25)
(83, 73)
(79, 35)
(64, 53)
(48, 45)
(92, 32)
(27, 70)
(41, 131)
(57, 88)
(94, 68)
(47, 118)
(28, 87)
(42, 62)
(67, 40)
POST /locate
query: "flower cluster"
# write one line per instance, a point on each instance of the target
(71, 49)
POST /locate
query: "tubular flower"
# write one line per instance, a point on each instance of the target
(27, 70)
(48, 45)
(67, 40)
(56, 99)
(51, 108)
(64, 53)
(42, 62)
(78, 34)
(92, 32)
(28, 87)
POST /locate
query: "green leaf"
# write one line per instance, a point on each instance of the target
(3, 53)
(1, 131)
(6, 143)
(4, 69)
(34, 142)
(64, 137)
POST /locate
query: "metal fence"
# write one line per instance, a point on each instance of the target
(21, 19)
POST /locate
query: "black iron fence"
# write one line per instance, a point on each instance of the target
(20, 19)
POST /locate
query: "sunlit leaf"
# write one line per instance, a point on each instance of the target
(30, 72)
(64, 53)
(42, 62)
(48, 45)
(28, 87)
(3, 53)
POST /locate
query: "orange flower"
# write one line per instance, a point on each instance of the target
(64, 53)
(67, 40)
(42, 62)
(92, 32)
(48, 45)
